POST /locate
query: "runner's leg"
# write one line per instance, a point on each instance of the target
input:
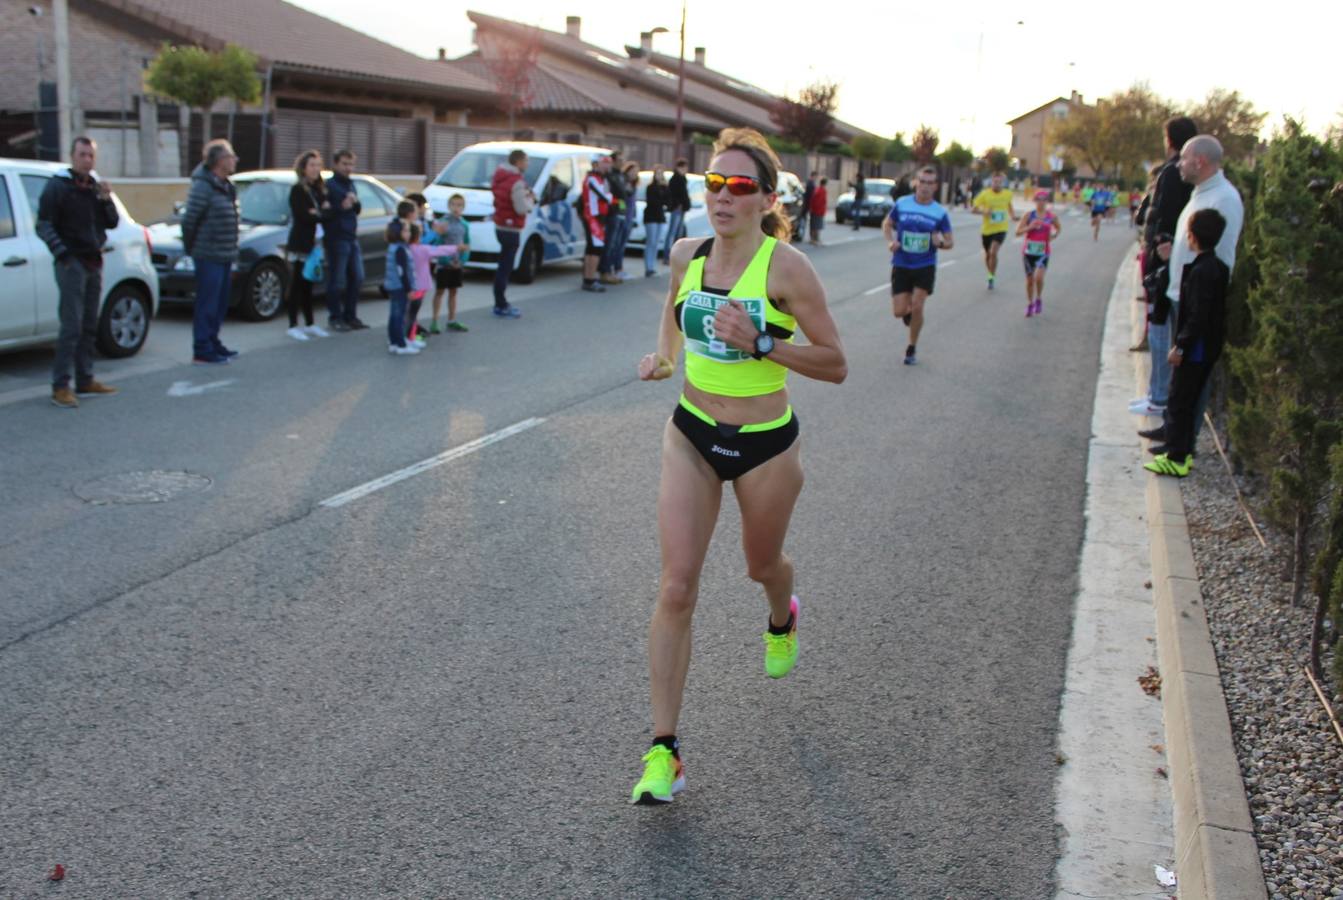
(766, 495)
(919, 297)
(688, 502)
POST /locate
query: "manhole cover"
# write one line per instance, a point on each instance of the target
(140, 487)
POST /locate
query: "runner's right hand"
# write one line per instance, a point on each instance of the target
(655, 367)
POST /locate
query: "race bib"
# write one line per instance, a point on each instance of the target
(997, 216)
(1036, 248)
(915, 241)
(697, 322)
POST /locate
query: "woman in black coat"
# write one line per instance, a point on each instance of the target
(307, 200)
(655, 220)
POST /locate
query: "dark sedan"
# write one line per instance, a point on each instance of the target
(876, 205)
(261, 275)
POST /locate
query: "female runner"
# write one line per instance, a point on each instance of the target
(735, 302)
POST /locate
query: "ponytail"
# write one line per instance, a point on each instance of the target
(776, 222)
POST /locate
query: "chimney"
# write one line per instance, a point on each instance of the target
(442, 54)
(646, 42)
(573, 26)
(699, 56)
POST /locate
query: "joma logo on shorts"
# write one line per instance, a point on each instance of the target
(717, 449)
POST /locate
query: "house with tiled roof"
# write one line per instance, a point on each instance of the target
(1030, 132)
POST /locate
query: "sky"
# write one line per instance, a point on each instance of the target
(964, 71)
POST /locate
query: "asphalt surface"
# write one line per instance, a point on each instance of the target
(440, 689)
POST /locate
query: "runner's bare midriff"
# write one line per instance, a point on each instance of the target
(739, 410)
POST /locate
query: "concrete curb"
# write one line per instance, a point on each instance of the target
(1216, 855)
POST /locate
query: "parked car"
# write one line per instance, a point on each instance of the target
(876, 205)
(553, 232)
(261, 275)
(695, 223)
(29, 299)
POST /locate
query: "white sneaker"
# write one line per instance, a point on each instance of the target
(419, 342)
(1147, 409)
(1137, 401)
(408, 350)
(297, 333)
(317, 331)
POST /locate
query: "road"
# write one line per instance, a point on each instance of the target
(439, 688)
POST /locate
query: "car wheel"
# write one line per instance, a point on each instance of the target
(533, 255)
(124, 324)
(263, 291)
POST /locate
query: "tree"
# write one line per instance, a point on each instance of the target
(953, 159)
(1292, 369)
(198, 77)
(1231, 119)
(810, 118)
(511, 63)
(869, 148)
(897, 150)
(996, 159)
(923, 147)
(1117, 135)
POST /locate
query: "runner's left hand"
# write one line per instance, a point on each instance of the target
(734, 327)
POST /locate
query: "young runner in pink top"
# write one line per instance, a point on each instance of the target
(1040, 226)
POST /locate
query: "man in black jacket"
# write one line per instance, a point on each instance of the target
(1199, 338)
(344, 260)
(1169, 196)
(678, 204)
(73, 216)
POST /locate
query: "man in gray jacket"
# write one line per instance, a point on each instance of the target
(210, 238)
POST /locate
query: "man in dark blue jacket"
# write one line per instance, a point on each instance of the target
(344, 261)
(73, 216)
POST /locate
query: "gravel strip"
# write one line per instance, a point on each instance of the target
(1290, 758)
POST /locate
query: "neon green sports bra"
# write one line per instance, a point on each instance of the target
(710, 364)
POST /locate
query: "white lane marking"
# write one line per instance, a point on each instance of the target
(425, 465)
(950, 262)
(881, 287)
(187, 389)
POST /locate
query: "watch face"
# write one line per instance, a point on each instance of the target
(764, 344)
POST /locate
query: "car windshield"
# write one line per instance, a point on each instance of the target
(263, 202)
(474, 170)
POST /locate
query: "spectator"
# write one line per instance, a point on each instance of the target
(1199, 337)
(344, 261)
(513, 201)
(307, 205)
(448, 276)
(678, 204)
(595, 203)
(210, 238)
(411, 210)
(73, 216)
(630, 176)
(398, 281)
(1169, 196)
(422, 256)
(1201, 165)
(615, 220)
(859, 197)
(808, 192)
(818, 208)
(655, 220)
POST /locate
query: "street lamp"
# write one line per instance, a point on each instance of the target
(680, 79)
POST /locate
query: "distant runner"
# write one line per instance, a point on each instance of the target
(1040, 226)
(916, 229)
(1100, 205)
(995, 205)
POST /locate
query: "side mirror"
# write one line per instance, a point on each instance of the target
(179, 206)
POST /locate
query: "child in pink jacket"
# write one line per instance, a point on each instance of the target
(420, 255)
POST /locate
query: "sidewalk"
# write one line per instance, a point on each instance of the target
(1134, 794)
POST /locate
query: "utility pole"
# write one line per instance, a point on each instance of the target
(60, 14)
(680, 84)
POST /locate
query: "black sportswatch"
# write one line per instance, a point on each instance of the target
(764, 345)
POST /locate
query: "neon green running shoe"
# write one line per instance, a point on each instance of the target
(781, 649)
(1164, 465)
(664, 778)
(454, 325)
(433, 327)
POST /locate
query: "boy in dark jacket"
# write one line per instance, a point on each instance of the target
(1200, 334)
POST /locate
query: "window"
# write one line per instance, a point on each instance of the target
(476, 169)
(560, 182)
(6, 212)
(263, 202)
(370, 200)
(33, 186)
(695, 186)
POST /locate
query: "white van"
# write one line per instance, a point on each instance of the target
(555, 173)
(29, 300)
